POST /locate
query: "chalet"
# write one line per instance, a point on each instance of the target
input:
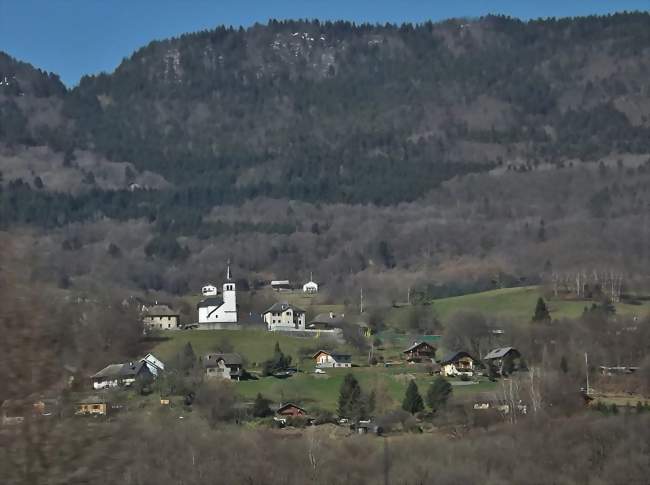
(284, 316)
(323, 358)
(281, 285)
(160, 317)
(92, 406)
(224, 366)
(420, 351)
(291, 410)
(122, 375)
(499, 358)
(457, 363)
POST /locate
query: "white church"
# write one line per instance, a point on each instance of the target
(214, 309)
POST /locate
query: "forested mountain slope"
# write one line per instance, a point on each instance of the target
(500, 145)
(340, 112)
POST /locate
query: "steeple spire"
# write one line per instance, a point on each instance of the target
(228, 274)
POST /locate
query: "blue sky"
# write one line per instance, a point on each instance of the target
(77, 37)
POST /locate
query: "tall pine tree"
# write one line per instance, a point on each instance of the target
(412, 399)
(438, 393)
(541, 311)
(350, 398)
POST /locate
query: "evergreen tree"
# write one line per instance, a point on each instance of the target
(278, 363)
(541, 311)
(350, 398)
(261, 407)
(412, 399)
(438, 393)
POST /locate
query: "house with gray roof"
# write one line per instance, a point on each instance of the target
(326, 321)
(284, 316)
(223, 366)
(160, 317)
(503, 359)
(120, 375)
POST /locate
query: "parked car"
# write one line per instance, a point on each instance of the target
(319, 371)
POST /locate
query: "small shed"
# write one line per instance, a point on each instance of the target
(92, 406)
(281, 285)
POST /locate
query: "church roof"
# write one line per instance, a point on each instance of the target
(210, 301)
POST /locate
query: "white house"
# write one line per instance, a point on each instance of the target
(322, 358)
(310, 287)
(209, 290)
(284, 316)
(219, 310)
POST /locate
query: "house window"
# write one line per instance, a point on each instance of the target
(95, 406)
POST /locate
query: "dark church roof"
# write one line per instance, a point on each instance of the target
(211, 301)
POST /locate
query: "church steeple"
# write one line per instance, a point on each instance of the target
(228, 274)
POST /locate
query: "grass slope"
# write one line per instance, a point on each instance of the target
(322, 391)
(519, 304)
(255, 345)
(307, 388)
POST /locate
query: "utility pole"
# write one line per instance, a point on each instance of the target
(587, 371)
(361, 301)
(408, 296)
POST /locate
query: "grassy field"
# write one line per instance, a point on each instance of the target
(319, 391)
(255, 345)
(517, 304)
(322, 391)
